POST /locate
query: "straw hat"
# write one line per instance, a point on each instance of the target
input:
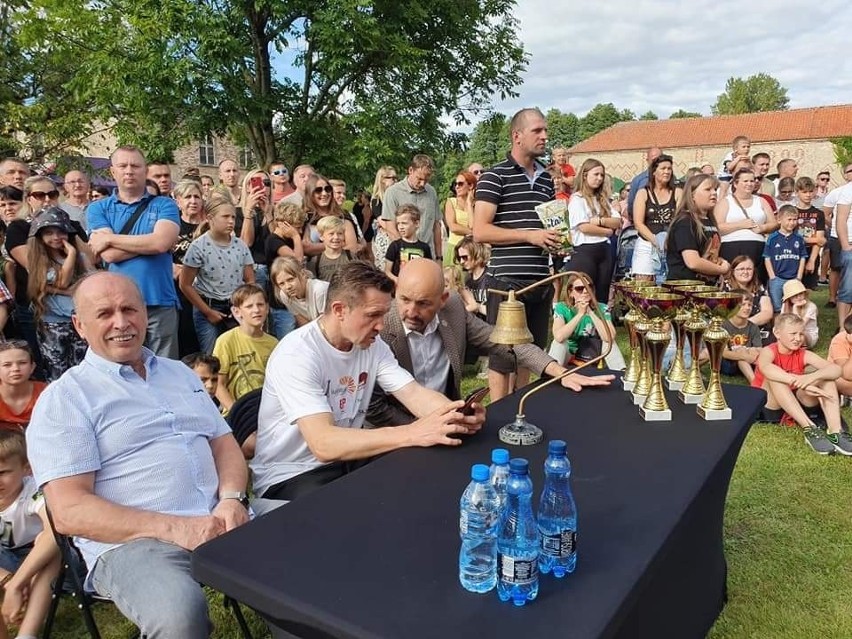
(792, 288)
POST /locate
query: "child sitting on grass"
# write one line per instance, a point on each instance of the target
(29, 558)
(740, 355)
(840, 353)
(781, 373)
(795, 301)
(18, 393)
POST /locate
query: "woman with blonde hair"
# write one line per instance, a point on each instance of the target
(593, 223)
(254, 213)
(189, 196)
(385, 177)
(579, 334)
(458, 214)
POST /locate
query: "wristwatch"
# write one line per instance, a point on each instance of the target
(239, 495)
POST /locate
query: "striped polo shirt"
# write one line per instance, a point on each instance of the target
(516, 194)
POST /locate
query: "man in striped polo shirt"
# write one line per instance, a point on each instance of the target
(504, 216)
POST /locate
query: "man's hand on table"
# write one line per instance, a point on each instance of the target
(440, 426)
(576, 382)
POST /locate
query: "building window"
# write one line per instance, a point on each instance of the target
(206, 152)
(247, 157)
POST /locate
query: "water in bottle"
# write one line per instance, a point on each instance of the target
(500, 473)
(557, 514)
(479, 517)
(518, 541)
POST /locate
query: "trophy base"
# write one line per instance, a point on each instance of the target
(656, 415)
(674, 386)
(628, 386)
(712, 415)
(638, 400)
(690, 399)
(523, 434)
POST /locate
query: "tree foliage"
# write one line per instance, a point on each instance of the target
(760, 92)
(680, 113)
(649, 115)
(602, 116)
(339, 83)
(842, 150)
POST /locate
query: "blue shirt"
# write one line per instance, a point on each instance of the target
(152, 273)
(785, 253)
(146, 440)
(636, 184)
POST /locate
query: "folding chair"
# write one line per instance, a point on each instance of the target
(73, 567)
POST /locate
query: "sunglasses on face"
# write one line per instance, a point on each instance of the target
(323, 189)
(279, 172)
(578, 289)
(463, 258)
(477, 172)
(461, 183)
(40, 195)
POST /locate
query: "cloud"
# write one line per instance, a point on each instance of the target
(664, 56)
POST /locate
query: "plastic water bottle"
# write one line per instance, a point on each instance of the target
(479, 517)
(518, 541)
(500, 473)
(557, 514)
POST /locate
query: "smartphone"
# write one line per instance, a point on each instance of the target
(256, 183)
(475, 397)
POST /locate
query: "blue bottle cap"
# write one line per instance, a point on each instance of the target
(557, 447)
(499, 456)
(480, 472)
(519, 466)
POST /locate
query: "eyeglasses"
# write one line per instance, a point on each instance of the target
(461, 183)
(477, 172)
(323, 189)
(389, 177)
(41, 195)
(463, 257)
(578, 289)
(279, 172)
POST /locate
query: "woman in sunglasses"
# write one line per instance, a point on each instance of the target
(318, 202)
(385, 177)
(578, 332)
(458, 214)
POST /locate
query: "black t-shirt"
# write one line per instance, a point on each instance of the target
(273, 243)
(810, 221)
(185, 236)
(479, 288)
(17, 234)
(400, 252)
(682, 237)
(258, 247)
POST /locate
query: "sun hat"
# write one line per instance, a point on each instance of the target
(51, 216)
(792, 288)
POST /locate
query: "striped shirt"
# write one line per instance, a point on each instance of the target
(516, 194)
(147, 441)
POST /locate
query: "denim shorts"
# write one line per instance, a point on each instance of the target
(844, 291)
(12, 558)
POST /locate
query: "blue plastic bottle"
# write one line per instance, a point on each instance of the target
(518, 541)
(500, 473)
(557, 514)
(479, 517)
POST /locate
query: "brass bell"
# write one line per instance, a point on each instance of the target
(511, 325)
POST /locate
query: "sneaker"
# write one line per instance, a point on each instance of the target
(823, 282)
(841, 441)
(845, 401)
(830, 304)
(817, 440)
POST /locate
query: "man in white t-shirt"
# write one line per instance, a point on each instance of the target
(843, 227)
(318, 385)
(833, 245)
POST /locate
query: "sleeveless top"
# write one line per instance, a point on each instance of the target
(462, 219)
(736, 213)
(658, 215)
(793, 363)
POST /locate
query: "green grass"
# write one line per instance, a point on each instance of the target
(788, 540)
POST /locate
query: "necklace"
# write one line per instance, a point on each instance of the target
(322, 330)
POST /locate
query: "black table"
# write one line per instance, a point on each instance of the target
(375, 554)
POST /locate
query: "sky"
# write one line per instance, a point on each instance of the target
(664, 56)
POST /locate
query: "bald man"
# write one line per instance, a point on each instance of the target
(149, 470)
(429, 331)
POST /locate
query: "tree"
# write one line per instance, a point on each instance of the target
(680, 113)
(340, 83)
(756, 93)
(842, 150)
(602, 116)
(489, 141)
(563, 129)
(649, 115)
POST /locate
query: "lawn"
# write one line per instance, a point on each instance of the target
(788, 540)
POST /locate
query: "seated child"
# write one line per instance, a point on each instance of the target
(795, 301)
(781, 373)
(207, 368)
(29, 558)
(304, 296)
(18, 393)
(243, 351)
(840, 353)
(744, 343)
(578, 332)
(407, 247)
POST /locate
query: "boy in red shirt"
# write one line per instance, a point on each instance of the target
(781, 373)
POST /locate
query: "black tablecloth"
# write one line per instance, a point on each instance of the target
(375, 554)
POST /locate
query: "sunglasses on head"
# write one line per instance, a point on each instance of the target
(323, 189)
(40, 195)
(279, 172)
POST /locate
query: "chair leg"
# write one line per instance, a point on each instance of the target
(238, 613)
(54, 601)
(89, 619)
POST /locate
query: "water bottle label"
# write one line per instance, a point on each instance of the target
(520, 572)
(559, 545)
(463, 522)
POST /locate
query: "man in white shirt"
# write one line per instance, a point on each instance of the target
(828, 206)
(318, 385)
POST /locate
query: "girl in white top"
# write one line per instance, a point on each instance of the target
(292, 285)
(593, 223)
(744, 221)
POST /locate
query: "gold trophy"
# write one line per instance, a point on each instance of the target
(693, 388)
(720, 306)
(633, 297)
(659, 308)
(631, 373)
(676, 376)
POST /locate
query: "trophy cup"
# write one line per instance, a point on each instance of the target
(720, 306)
(676, 377)
(693, 388)
(659, 308)
(641, 325)
(631, 373)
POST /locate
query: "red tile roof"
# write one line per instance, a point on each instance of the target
(817, 123)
